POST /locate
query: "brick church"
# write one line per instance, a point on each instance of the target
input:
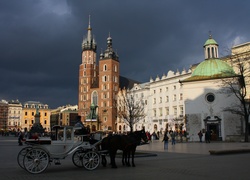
(99, 83)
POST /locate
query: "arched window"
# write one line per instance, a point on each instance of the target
(104, 67)
(94, 98)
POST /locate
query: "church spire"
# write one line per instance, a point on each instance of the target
(109, 52)
(89, 43)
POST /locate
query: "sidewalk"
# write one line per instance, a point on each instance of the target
(194, 147)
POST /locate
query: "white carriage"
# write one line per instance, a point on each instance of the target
(63, 142)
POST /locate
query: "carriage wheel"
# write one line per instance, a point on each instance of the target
(91, 160)
(21, 155)
(77, 158)
(36, 160)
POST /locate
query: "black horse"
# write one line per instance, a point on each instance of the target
(134, 139)
(126, 143)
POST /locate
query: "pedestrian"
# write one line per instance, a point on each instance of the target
(200, 136)
(20, 138)
(148, 136)
(165, 140)
(207, 137)
(173, 137)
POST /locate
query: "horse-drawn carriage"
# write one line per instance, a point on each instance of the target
(86, 151)
(63, 142)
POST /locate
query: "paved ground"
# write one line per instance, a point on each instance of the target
(193, 147)
(181, 161)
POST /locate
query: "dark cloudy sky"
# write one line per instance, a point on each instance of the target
(40, 40)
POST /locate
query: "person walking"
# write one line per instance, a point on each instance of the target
(200, 136)
(207, 137)
(20, 138)
(165, 140)
(173, 137)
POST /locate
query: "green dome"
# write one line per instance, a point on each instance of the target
(213, 68)
(210, 41)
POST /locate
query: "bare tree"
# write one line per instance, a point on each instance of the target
(239, 85)
(130, 109)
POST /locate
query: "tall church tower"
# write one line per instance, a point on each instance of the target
(98, 85)
(109, 72)
(88, 74)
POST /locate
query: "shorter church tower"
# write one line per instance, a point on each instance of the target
(109, 72)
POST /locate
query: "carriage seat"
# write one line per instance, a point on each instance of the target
(38, 141)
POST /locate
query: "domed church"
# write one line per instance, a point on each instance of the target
(205, 98)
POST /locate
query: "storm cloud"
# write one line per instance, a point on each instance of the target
(40, 40)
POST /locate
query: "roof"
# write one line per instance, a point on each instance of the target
(210, 41)
(211, 69)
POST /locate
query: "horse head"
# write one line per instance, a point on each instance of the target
(144, 136)
(141, 135)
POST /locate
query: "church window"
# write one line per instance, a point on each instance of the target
(210, 97)
(105, 78)
(104, 67)
(94, 98)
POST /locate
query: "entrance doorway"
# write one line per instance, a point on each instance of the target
(214, 130)
(213, 125)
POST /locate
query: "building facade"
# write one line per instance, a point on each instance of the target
(30, 108)
(3, 116)
(65, 115)
(14, 115)
(163, 103)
